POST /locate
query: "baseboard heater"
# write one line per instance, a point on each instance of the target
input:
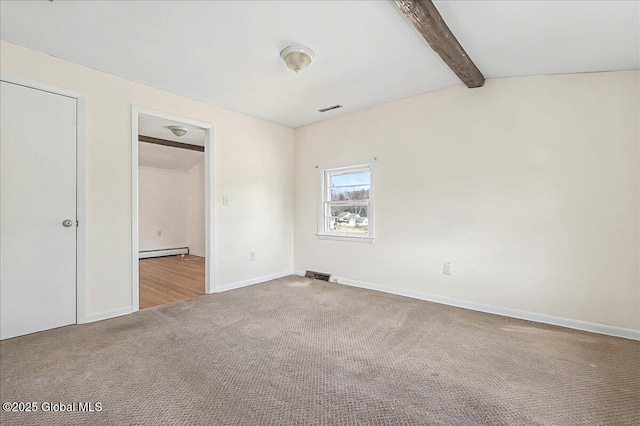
(162, 252)
(317, 275)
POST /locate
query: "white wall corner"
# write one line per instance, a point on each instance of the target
(245, 283)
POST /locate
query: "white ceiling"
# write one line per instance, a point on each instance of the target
(164, 157)
(516, 38)
(227, 52)
(157, 128)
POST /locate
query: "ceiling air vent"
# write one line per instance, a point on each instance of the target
(330, 108)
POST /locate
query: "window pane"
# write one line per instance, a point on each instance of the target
(343, 211)
(360, 193)
(349, 219)
(346, 201)
(359, 177)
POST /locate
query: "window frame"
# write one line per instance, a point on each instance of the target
(323, 202)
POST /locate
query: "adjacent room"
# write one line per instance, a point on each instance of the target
(380, 212)
(171, 214)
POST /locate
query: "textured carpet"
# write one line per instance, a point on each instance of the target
(295, 351)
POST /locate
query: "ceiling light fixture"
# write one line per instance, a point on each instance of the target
(178, 130)
(297, 58)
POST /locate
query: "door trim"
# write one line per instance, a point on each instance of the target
(209, 199)
(81, 179)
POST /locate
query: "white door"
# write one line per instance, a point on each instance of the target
(38, 193)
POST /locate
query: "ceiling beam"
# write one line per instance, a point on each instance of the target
(427, 20)
(165, 142)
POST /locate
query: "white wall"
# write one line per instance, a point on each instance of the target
(172, 202)
(254, 163)
(528, 185)
(163, 205)
(195, 214)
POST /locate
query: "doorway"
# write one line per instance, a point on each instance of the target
(42, 207)
(172, 213)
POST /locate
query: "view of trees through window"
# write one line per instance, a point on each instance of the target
(349, 201)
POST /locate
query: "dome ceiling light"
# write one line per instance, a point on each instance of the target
(297, 58)
(178, 130)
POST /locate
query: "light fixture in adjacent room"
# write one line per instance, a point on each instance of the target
(297, 58)
(178, 130)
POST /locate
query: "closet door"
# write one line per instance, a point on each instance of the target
(37, 210)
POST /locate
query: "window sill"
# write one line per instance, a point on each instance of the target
(354, 239)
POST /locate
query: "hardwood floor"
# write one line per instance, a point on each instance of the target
(169, 279)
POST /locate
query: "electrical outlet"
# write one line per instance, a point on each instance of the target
(159, 233)
(252, 256)
(447, 268)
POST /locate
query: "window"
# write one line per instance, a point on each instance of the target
(346, 202)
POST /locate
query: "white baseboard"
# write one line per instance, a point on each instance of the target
(106, 315)
(239, 284)
(593, 327)
(128, 310)
(197, 254)
(162, 252)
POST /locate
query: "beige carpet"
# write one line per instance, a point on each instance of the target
(293, 352)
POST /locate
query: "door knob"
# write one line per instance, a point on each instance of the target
(67, 223)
